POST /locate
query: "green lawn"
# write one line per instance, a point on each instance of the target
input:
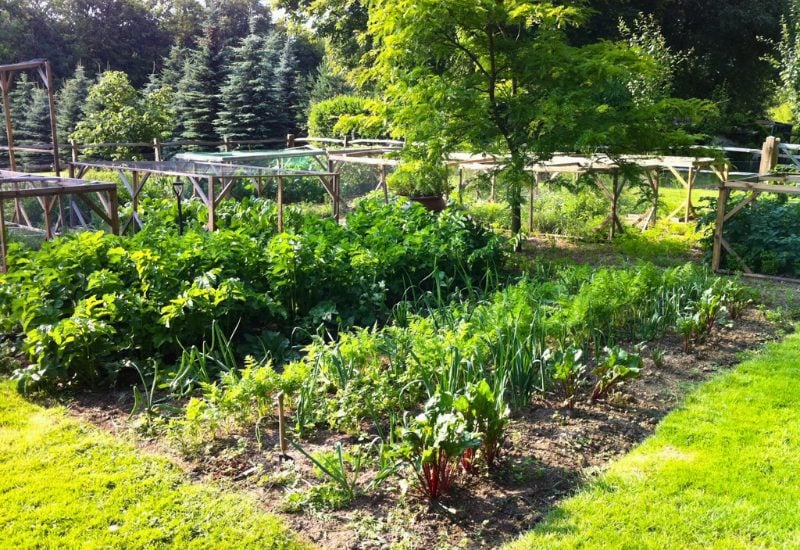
(65, 484)
(722, 472)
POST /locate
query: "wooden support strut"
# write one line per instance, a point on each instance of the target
(3, 250)
(6, 80)
(280, 204)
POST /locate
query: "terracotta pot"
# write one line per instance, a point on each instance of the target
(434, 203)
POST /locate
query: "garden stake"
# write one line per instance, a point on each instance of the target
(281, 427)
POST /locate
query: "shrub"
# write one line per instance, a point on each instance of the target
(343, 115)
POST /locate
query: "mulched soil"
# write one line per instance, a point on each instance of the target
(549, 453)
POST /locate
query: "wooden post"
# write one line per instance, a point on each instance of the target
(157, 150)
(3, 265)
(280, 204)
(492, 195)
(690, 181)
(614, 200)
(289, 141)
(281, 425)
(5, 84)
(51, 104)
(461, 186)
(346, 141)
(47, 206)
(769, 155)
(722, 205)
(74, 150)
(211, 206)
(337, 184)
(113, 214)
(383, 184)
(135, 200)
(332, 170)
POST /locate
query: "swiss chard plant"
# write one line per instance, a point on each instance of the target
(432, 444)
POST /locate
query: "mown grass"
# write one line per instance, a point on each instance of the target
(722, 472)
(65, 484)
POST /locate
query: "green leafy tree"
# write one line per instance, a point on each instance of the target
(787, 62)
(341, 23)
(116, 112)
(503, 78)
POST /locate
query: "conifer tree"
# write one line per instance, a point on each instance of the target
(197, 100)
(71, 99)
(247, 98)
(286, 90)
(34, 127)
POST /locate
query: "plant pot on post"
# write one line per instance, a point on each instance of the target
(423, 182)
(432, 203)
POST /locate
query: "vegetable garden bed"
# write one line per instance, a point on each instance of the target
(549, 454)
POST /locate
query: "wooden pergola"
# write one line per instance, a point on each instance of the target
(219, 179)
(49, 192)
(7, 73)
(598, 165)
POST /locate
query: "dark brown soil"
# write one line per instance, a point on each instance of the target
(549, 453)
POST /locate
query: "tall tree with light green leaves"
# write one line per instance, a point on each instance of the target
(116, 112)
(503, 78)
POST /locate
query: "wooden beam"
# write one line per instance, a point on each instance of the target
(763, 187)
(722, 205)
(3, 246)
(280, 204)
(5, 83)
(51, 105)
(733, 253)
(212, 223)
(741, 205)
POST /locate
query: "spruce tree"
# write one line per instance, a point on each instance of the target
(197, 99)
(20, 99)
(34, 128)
(71, 99)
(286, 89)
(247, 98)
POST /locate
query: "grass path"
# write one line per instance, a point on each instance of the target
(65, 484)
(721, 472)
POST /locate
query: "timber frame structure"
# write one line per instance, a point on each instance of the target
(765, 182)
(598, 165)
(7, 74)
(49, 192)
(219, 179)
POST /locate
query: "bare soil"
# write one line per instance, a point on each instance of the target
(549, 453)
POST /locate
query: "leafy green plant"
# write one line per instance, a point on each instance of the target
(432, 444)
(616, 366)
(344, 469)
(567, 369)
(486, 414)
